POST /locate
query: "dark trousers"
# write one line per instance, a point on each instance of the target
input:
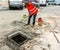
(34, 19)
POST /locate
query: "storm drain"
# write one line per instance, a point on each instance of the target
(17, 38)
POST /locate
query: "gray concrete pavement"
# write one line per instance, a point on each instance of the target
(51, 17)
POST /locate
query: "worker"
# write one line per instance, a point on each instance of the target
(33, 10)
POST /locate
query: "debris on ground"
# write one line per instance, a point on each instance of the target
(39, 41)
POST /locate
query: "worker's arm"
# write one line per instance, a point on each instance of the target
(26, 4)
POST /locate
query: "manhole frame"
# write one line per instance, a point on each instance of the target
(14, 45)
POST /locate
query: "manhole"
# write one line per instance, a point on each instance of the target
(17, 38)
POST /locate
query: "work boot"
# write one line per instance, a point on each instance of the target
(26, 24)
(32, 25)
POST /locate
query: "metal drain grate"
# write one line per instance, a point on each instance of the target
(19, 39)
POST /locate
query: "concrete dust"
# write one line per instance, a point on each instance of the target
(43, 38)
(39, 40)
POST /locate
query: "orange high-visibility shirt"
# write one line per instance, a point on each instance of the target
(31, 8)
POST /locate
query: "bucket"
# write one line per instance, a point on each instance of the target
(24, 17)
(40, 21)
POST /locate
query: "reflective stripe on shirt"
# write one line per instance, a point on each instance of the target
(33, 9)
